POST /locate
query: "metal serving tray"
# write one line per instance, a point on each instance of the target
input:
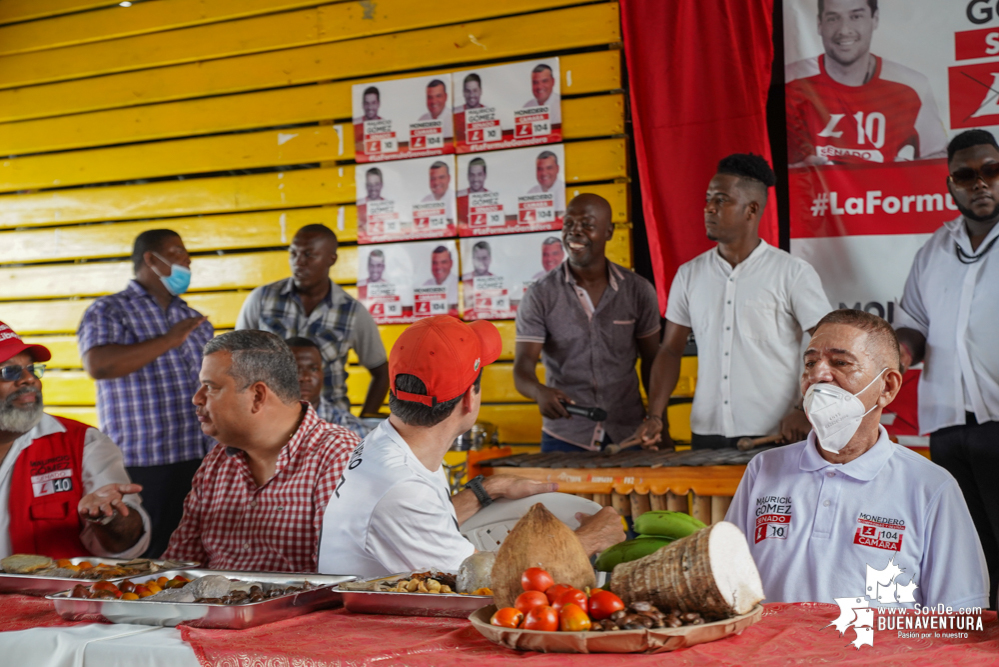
(233, 617)
(40, 584)
(453, 605)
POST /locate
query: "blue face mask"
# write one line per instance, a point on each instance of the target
(179, 279)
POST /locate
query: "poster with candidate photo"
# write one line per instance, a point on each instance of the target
(519, 190)
(497, 270)
(403, 282)
(405, 200)
(402, 118)
(507, 106)
(874, 93)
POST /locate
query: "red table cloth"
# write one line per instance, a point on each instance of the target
(788, 634)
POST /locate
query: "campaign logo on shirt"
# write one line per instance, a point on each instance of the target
(879, 532)
(50, 476)
(773, 518)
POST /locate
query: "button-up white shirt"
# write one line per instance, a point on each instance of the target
(102, 464)
(814, 527)
(956, 306)
(748, 322)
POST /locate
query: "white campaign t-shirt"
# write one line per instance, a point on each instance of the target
(749, 322)
(389, 514)
(815, 528)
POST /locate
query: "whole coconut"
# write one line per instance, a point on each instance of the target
(539, 540)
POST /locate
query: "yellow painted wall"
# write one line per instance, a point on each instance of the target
(164, 114)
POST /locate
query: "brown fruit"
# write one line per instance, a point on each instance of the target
(711, 572)
(539, 540)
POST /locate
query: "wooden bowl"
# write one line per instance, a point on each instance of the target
(656, 640)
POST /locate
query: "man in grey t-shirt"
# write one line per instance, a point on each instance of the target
(592, 319)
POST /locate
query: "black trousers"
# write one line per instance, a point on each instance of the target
(714, 441)
(163, 491)
(971, 454)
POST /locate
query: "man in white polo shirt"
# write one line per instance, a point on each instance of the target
(748, 305)
(949, 318)
(392, 510)
(847, 513)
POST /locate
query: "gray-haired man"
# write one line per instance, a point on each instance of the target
(257, 500)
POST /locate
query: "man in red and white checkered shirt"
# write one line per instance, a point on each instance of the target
(258, 498)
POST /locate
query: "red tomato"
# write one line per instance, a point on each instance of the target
(105, 586)
(507, 617)
(575, 597)
(573, 619)
(556, 591)
(528, 600)
(126, 586)
(542, 618)
(603, 604)
(536, 579)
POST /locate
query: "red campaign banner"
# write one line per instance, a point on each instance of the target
(974, 95)
(971, 44)
(700, 74)
(859, 200)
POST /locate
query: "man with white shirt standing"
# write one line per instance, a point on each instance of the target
(749, 305)
(822, 514)
(949, 321)
(392, 510)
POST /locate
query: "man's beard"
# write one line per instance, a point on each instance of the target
(20, 420)
(971, 215)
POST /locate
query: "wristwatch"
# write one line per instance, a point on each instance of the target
(479, 490)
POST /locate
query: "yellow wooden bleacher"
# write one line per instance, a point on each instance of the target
(119, 120)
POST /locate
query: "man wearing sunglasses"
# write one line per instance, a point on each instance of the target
(64, 491)
(949, 320)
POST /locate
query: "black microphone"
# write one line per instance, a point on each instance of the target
(595, 414)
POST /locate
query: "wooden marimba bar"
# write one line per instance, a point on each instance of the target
(700, 482)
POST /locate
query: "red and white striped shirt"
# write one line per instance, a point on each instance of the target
(230, 523)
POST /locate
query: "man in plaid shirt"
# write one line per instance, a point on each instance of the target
(258, 499)
(143, 346)
(310, 305)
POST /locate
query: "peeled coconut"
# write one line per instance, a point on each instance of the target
(711, 572)
(539, 540)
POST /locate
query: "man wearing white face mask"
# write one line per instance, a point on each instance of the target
(143, 346)
(819, 512)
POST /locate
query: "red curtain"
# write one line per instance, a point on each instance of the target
(699, 73)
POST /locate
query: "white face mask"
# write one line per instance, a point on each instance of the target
(835, 413)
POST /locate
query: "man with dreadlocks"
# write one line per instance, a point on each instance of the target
(748, 305)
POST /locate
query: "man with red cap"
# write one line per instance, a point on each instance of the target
(64, 491)
(392, 510)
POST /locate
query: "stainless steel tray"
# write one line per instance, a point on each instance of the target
(40, 584)
(453, 605)
(234, 617)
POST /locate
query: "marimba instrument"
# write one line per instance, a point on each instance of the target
(634, 481)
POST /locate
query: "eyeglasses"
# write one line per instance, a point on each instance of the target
(12, 373)
(966, 177)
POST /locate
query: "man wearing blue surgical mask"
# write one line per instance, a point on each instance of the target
(846, 513)
(144, 347)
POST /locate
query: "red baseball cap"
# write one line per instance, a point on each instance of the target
(11, 345)
(446, 354)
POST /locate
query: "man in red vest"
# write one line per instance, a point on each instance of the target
(64, 491)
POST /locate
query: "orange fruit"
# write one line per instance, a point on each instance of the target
(129, 596)
(507, 617)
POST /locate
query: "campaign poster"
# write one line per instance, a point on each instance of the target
(406, 200)
(519, 190)
(402, 118)
(507, 106)
(874, 92)
(403, 282)
(497, 270)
